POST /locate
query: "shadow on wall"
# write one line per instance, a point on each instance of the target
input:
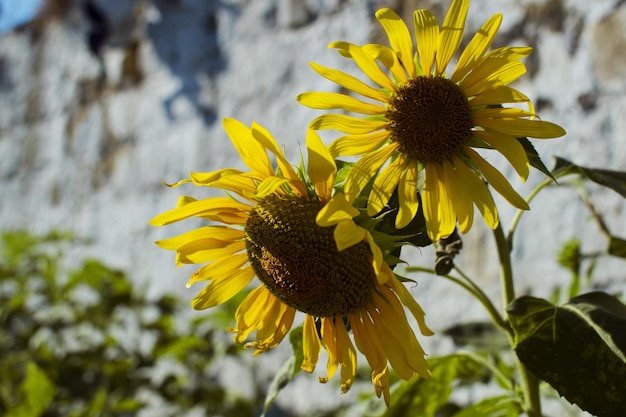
(185, 36)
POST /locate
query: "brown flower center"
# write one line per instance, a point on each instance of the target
(298, 260)
(430, 119)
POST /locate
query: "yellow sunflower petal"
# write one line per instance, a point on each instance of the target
(497, 180)
(221, 290)
(479, 192)
(311, 345)
(367, 64)
(196, 252)
(207, 178)
(499, 67)
(357, 144)
(365, 169)
(338, 209)
(348, 234)
(329, 340)
(347, 355)
(426, 36)
(349, 82)
(286, 170)
(347, 124)
(407, 196)
(220, 234)
(522, 127)
(389, 59)
(451, 34)
(270, 185)
(273, 328)
(251, 151)
(321, 166)
(251, 311)
(462, 202)
(203, 207)
(499, 95)
(243, 184)
(477, 47)
(510, 147)
(399, 38)
(438, 210)
(226, 265)
(413, 306)
(382, 270)
(384, 184)
(328, 101)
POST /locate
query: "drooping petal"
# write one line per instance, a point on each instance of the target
(251, 151)
(438, 210)
(347, 124)
(273, 328)
(399, 38)
(251, 311)
(352, 145)
(321, 166)
(243, 184)
(349, 82)
(311, 344)
(384, 185)
(338, 209)
(407, 195)
(477, 47)
(510, 148)
(329, 101)
(347, 234)
(498, 181)
(416, 310)
(462, 202)
(426, 36)
(347, 355)
(329, 340)
(479, 192)
(451, 33)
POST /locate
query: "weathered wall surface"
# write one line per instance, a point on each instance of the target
(98, 104)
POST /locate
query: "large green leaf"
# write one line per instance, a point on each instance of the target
(578, 348)
(423, 397)
(617, 247)
(615, 180)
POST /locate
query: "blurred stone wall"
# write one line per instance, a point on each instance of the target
(101, 100)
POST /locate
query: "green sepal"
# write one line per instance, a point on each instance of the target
(534, 159)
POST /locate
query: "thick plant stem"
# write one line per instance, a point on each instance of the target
(529, 383)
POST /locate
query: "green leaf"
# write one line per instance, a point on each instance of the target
(288, 371)
(500, 406)
(615, 180)
(578, 348)
(36, 392)
(617, 247)
(423, 397)
(533, 157)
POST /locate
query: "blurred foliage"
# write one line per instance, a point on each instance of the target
(86, 343)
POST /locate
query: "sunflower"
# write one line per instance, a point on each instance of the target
(427, 125)
(268, 229)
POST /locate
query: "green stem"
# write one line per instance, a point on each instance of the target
(529, 383)
(518, 216)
